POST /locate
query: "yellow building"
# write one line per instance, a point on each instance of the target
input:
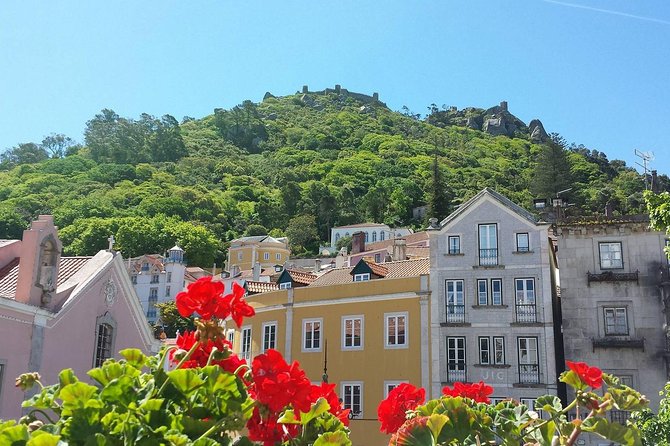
(266, 250)
(364, 328)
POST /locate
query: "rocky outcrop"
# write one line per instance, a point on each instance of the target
(537, 132)
(499, 121)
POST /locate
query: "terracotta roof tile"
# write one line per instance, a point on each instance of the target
(303, 277)
(376, 268)
(403, 268)
(9, 275)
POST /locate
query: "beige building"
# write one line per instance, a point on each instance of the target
(364, 328)
(268, 251)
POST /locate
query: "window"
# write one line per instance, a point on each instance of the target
(169, 277)
(361, 277)
(167, 291)
(103, 346)
(378, 258)
(529, 364)
(231, 337)
(366, 237)
(456, 359)
(396, 330)
(492, 352)
(2, 373)
(522, 242)
(488, 244)
(352, 332)
(498, 350)
(311, 335)
(352, 398)
(610, 255)
(151, 305)
(145, 266)
(277, 256)
(381, 236)
(285, 285)
(390, 385)
(269, 336)
(496, 291)
(133, 279)
(374, 236)
(239, 255)
(525, 300)
(484, 350)
(616, 321)
(454, 244)
(455, 301)
(266, 256)
(154, 278)
(482, 292)
(245, 348)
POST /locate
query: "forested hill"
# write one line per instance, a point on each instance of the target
(293, 165)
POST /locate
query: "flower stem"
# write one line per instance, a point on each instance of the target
(183, 360)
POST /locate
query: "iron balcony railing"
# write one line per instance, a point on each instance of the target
(526, 313)
(529, 373)
(619, 416)
(456, 372)
(456, 313)
(488, 257)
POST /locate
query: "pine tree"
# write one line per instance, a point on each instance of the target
(438, 200)
(552, 171)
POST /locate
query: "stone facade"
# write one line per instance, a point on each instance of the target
(611, 299)
(491, 278)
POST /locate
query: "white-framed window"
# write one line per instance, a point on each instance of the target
(266, 256)
(395, 329)
(498, 399)
(278, 256)
(151, 304)
(456, 365)
(269, 335)
(381, 236)
(522, 242)
(154, 278)
(311, 335)
(245, 347)
(492, 350)
(239, 255)
(498, 350)
(378, 258)
(230, 336)
(455, 296)
(484, 350)
(169, 277)
(103, 345)
(610, 255)
(366, 236)
(529, 362)
(496, 292)
(352, 332)
(167, 291)
(361, 277)
(488, 244)
(145, 266)
(454, 242)
(482, 292)
(525, 291)
(616, 321)
(390, 385)
(285, 285)
(352, 397)
(374, 236)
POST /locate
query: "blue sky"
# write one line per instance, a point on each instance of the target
(595, 71)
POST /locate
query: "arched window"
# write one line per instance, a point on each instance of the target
(337, 237)
(346, 234)
(366, 237)
(374, 236)
(381, 235)
(104, 339)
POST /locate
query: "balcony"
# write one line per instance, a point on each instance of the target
(619, 416)
(488, 257)
(529, 373)
(455, 314)
(619, 342)
(526, 313)
(456, 372)
(610, 276)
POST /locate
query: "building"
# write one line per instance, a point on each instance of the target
(410, 246)
(614, 299)
(157, 279)
(364, 328)
(61, 312)
(245, 252)
(492, 287)
(373, 232)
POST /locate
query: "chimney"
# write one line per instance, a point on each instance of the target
(358, 242)
(654, 182)
(256, 270)
(317, 266)
(234, 270)
(341, 258)
(399, 249)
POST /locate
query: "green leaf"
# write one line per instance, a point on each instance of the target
(185, 380)
(338, 438)
(572, 379)
(549, 403)
(625, 435)
(109, 371)
(66, 377)
(317, 409)
(76, 394)
(436, 422)
(43, 439)
(626, 398)
(243, 441)
(134, 357)
(14, 436)
(544, 433)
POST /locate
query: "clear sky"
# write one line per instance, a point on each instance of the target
(595, 71)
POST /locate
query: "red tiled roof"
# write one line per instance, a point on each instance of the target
(403, 268)
(260, 287)
(410, 239)
(9, 275)
(376, 268)
(303, 277)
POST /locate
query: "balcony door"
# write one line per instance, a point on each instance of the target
(488, 244)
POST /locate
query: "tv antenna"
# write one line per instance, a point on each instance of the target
(645, 157)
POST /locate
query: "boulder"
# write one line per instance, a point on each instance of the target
(537, 132)
(268, 95)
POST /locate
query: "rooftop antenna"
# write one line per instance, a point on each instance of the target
(645, 157)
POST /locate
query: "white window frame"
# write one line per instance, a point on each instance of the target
(496, 296)
(239, 255)
(361, 338)
(285, 286)
(266, 256)
(453, 248)
(390, 385)
(363, 277)
(278, 256)
(488, 240)
(310, 323)
(519, 242)
(605, 257)
(245, 343)
(484, 350)
(524, 295)
(264, 342)
(497, 350)
(396, 335)
(230, 336)
(482, 293)
(155, 278)
(456, 298)
(459, 363)
(347, 389)
(615, 330)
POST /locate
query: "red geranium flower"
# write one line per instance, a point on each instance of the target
(204, 296)
(591, 376)
(237, 307)
(201, 354)
(328, 392)
(479, 392)
(391, 411)
(276, 384)
(267, 430)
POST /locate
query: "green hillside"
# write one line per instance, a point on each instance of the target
(288, 165)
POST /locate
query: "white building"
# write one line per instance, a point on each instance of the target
(374, 232)
(157, 279)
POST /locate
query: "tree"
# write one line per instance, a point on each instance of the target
(655, 428)
(438, 200)
(302, 234)
(12, 223)
(255, 230)
(658, 206)
(344, 242)
(171, 321)
(551, 173)
(57, 144)
(24, 153)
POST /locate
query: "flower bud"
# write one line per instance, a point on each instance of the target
(35, 425)
(27, 380)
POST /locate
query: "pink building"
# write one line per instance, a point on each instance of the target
(61, 312)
